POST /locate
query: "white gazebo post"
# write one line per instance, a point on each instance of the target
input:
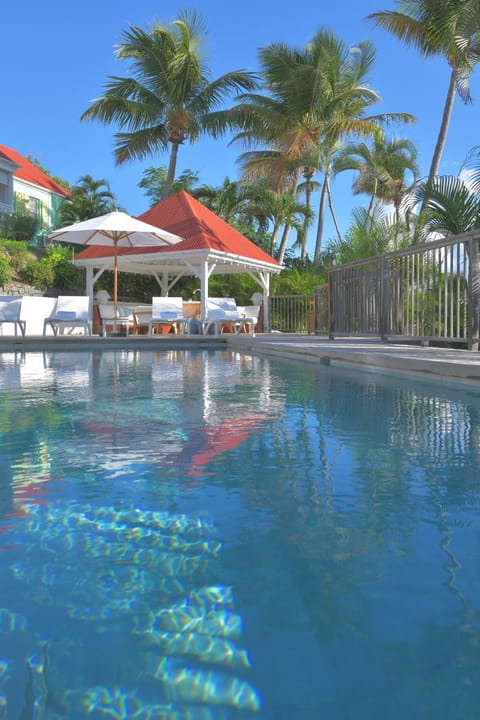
(203, 290)
(89, 281)
(266, 303)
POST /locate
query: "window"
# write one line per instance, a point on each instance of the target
(32, 207)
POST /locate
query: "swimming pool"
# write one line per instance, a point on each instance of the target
(206, 535)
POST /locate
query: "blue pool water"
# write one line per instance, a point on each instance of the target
(212, 536)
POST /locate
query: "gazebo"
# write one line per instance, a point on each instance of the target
(210, 246)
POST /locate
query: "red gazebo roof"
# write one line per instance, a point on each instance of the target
(201, 229)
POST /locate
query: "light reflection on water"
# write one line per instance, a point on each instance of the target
(208, 535)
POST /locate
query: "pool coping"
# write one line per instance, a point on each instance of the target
(442, 364)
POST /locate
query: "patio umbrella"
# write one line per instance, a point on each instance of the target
(117, 229)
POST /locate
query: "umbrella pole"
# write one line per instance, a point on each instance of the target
(115, 275)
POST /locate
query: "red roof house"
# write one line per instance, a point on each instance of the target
(23, 182)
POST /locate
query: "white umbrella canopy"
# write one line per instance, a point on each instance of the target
(116, 229)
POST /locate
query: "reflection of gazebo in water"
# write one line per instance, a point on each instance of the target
(210, 247)
(227, 420)
(134, 435)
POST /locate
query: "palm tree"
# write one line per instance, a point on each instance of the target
(89, 198)
(168, 96)
(238, 204)
(445, 28)
(370, 234)
(285, 211)
(314, 96)
(451, 205)
(381, 168)
(155, 178)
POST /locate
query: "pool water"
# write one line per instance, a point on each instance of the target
(206, 535)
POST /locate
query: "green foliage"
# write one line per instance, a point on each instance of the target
(89, 198)
(240, 287)
(20, 225)
(5, 270)
(154, 182)
(63, 183)
(54, 269)
(15, 252)
(368, 235)
(65, 275)
(297, 281)
(38, 273)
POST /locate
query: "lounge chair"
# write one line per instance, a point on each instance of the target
(167, 312)
(70, 311)
(115, 319)
(10, 309)
(223, 315)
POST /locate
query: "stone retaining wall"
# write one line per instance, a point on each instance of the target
(17, 288)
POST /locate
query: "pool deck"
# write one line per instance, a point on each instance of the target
(444, 364)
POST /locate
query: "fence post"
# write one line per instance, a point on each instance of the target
(474, 294)
(384, 300)
(331, 321)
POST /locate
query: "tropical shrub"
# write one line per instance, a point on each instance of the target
(5, 270)
(38, 273)
(20, 225)
(16, 252)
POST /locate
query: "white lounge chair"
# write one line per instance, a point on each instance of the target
(223, 315)
(168, 311)
(70, 311)
(115, 318)
(10, 309)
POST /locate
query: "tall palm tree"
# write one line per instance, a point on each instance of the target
(168, 95)
(445, 28)
(313, 96)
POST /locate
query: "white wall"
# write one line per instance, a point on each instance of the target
(34, 311)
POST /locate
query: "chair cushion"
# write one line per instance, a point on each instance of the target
(167, 315)
(66, 315)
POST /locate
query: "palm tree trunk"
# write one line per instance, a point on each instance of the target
(172, 166)
(321, 218)
(332, 212)
(308, 203)
(437, 154)
(273, 238)
(442, 135)
(372, 200)
(283, 244)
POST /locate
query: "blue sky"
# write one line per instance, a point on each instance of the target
(57, 60)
